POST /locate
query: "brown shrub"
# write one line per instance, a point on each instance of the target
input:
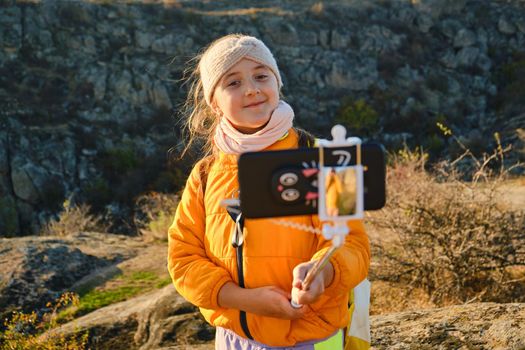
(450, 237)
(154, 215)
(31, 331)
(72, 219)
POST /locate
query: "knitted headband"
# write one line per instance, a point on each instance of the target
(225, 53)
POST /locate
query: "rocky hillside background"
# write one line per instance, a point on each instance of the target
(89, 91)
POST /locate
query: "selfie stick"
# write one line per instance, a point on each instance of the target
(339, 230)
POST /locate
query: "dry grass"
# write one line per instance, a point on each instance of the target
(252, 11)
(73, 219)
(388, 297)
(450, 240)
(29, 330)
(154, 215)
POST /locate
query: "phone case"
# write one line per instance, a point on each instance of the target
(284, 183)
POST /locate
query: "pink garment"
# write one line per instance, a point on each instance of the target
(231, 141)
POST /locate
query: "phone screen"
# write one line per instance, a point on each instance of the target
(284, 183)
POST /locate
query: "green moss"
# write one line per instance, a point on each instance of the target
(97, 299)
(163, 282)
(121, 287)
(141, 276)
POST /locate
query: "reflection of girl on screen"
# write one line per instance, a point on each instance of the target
(334, 189)
(341, 192)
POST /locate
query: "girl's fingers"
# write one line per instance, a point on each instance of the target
(297, 283)
(299, 273)
(308, 296)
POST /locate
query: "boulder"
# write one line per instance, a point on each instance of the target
(161, 319)
(472, 326)
(506, 27)
(464, 37)
(35, 270)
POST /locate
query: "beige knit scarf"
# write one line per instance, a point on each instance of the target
(231, 141)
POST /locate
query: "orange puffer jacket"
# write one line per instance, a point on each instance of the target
(201, 258)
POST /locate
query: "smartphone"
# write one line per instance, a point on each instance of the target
(284, 183)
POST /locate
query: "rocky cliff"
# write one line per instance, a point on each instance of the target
(89, 91)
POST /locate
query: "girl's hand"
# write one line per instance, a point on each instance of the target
(267, 301)
(317, 287)
(272, 301)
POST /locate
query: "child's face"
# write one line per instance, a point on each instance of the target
(247, 95)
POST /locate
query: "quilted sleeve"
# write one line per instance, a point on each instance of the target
(194, 275)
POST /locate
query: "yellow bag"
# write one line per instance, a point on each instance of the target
(358, 332)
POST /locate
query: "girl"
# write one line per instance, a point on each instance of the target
(235, 104)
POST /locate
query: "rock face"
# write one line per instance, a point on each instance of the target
(35, 270)
(163, 320)
(90, 91)
(157, 320)
(473, 326)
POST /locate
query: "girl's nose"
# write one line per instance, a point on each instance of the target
(252, 89)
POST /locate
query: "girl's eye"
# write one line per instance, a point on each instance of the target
(261, 76)
(233, 83)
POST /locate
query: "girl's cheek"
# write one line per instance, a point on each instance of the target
(232, 103)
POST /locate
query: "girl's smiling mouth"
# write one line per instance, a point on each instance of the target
(254, 104)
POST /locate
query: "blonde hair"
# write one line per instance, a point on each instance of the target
(205, 70)
(200, 120)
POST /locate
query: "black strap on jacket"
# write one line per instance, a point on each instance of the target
(236, 216)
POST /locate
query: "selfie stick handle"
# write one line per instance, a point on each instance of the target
(318, 267)
(314, 271)
(337, 232)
